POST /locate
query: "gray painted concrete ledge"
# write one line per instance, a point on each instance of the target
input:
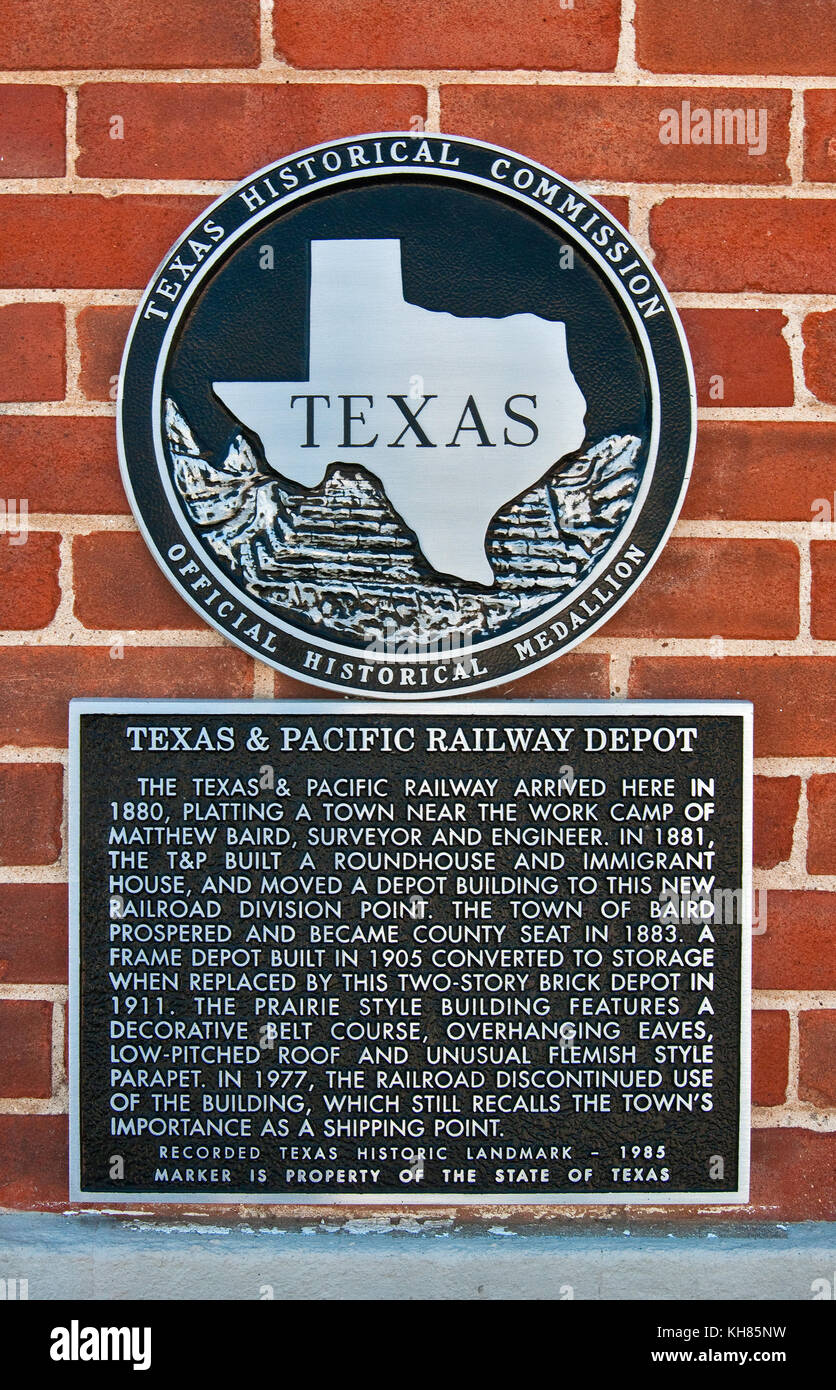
(93, 1256)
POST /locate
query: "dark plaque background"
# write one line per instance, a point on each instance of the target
(130, 1115)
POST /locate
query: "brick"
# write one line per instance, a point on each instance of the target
(793, 1175)
(31, 800)
(33, 1160)
(619, 207)
(820, 135)
(108, 34)
(614, 132)
(823, 599)
(821, 834)
(36, 683)
(62, 463)
(748, 36)
(817, 1056)
(770, 1056)
(87, 241)
(761, 471)
(775, 812)
(32, 132)
(819, 332)
(763, 244)
(29, 589)
(102, 330)
(581, 675)
(794, 697)
(501, 34)
(703, 588)
(798, 948)
(744, 347)
(25, 1048)
(33, 933)
(118, 585)
(219, 131)
(32, 352)
(288, 688)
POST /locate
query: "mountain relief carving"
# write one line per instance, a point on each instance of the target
(337, 555)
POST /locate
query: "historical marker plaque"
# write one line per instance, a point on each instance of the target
(449, 953)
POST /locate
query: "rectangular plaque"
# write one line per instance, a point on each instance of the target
(353, 952)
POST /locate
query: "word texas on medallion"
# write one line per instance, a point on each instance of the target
(405, 415)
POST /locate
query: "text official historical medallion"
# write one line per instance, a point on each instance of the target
(406, 415)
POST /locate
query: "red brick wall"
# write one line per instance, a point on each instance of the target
(743, 601)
